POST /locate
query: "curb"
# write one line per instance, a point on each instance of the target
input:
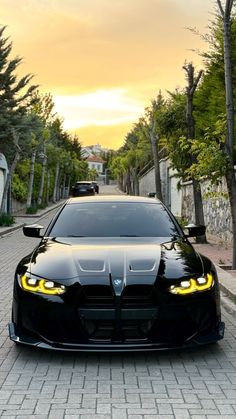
(40, 215)
(9, 230)
(227, 284)
(228, 303)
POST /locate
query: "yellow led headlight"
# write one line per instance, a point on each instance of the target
(39, 285)
(191, 286)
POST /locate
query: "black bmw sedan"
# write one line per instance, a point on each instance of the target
(83, 188)
(115, 273)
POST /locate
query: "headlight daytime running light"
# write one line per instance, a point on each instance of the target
(40, 285)
(192, 285)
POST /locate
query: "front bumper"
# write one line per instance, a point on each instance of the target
(116, 299)
(168, 322)
(99, 347)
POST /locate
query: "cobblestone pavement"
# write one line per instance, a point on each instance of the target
(197, 383)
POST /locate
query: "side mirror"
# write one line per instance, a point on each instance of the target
(195, 231)
(32, 230)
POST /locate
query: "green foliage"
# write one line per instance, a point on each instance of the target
(215, 195)
(31, 116)
(92, 174)
(32, 210)
(15, 98)
(210, 97)
(23, 169)
(210, 159)
(182, 221)
(41, 206)
(19, 189)
(80, 169)
(173, 128)
(6, 220)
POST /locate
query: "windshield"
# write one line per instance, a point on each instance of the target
(113, 219)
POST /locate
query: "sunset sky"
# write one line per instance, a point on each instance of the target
(104, 60)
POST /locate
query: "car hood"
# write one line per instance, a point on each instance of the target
(129, 259)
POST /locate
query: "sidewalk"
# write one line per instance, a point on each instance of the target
(219, 253)
(22, 219)
(221, 256)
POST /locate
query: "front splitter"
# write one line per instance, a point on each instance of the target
(121, 347)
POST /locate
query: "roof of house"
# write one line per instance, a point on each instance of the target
(95, 159)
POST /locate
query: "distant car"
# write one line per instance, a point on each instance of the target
(115, 273)
(83, 188)
(96, 187)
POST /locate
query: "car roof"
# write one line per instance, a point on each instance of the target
(113, 198)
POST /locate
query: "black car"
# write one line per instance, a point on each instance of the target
(83, 188)
(115, 273)
(96, 186)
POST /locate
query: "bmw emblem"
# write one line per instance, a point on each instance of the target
(117, 282)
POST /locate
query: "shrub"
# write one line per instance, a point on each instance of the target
(6, 220)
(32, 210)
(182, 221)
(19, 188)
(41, 206)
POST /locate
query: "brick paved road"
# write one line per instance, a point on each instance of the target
(196, 383)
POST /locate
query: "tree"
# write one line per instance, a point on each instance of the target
(190, 90)
(227, 26)
(15, 97)
(31, 176)
(151, 130)
(43, 155)
(137, 151)
(173, 128)
(11, 171)
(229, 98)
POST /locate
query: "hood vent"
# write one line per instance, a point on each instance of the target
(142, 265)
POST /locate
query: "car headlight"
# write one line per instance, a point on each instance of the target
(193, 285)
(40, 285)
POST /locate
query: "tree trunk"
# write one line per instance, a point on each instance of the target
(156, 167)
(47, 186)
(228, 85)
(136, 183)
(231, 186)
(40, 197)
(68, 186)
(120, 183)
(131, 171)
(199, 214)
(54, 199)
(64, 186)
(58, 194)
(229, 144)
(31, 180)
(128, 183)
(197, 196)
(8, 181)
(230, 175)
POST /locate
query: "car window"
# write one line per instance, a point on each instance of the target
(105, 219)
(83, 184)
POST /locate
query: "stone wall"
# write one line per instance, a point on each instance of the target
(215, 205)
(215, 200)
(172, 197)
(17, 207)
(147, 183)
